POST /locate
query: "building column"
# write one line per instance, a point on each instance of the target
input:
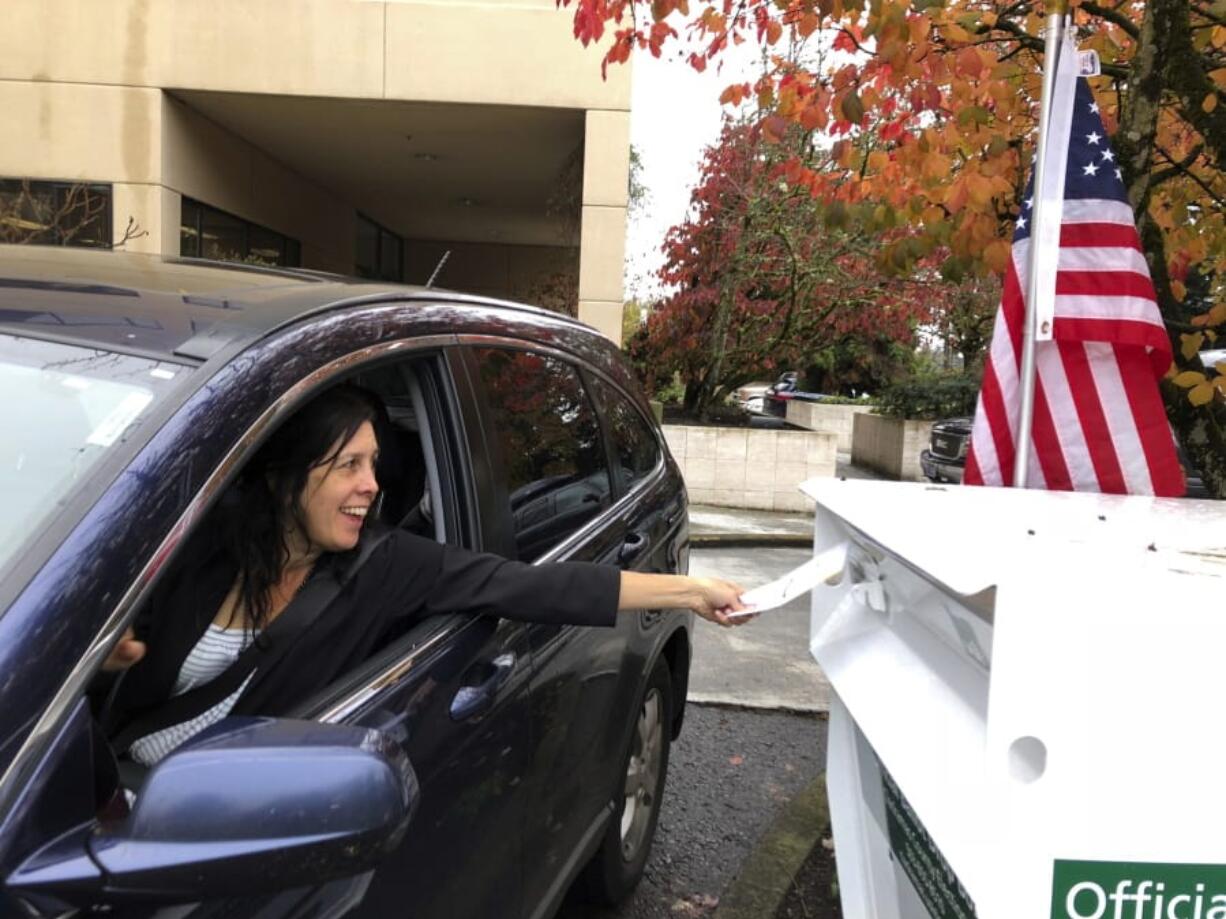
(606, 172)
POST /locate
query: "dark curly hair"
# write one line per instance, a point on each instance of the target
(263, 506)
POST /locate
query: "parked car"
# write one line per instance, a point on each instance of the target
(752, 396)
(948, 444)
(472, 767)
(950, 441)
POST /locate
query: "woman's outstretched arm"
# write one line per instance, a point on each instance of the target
(711, 598)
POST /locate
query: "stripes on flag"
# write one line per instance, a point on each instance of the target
(1099, 423)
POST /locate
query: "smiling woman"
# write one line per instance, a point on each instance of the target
(291, 586)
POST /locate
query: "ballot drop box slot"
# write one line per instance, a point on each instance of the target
(1029, 699)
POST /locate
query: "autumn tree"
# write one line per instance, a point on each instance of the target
(931, 115)
(766, 279)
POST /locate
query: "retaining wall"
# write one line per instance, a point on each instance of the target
(760, 470)
(890, 446)
(823, 417)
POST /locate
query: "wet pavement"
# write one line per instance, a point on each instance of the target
(731, 776)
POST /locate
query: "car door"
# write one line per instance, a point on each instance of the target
(451, 692)
(546, 441)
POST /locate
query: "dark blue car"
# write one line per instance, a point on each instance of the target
(472, 766)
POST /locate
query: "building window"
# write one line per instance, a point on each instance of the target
(206, 232)
(55, 213)
(380, 252)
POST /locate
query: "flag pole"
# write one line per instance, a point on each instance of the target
(1057, 10)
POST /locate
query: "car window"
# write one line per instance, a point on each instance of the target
(636, 451)
(549, 438)
(64, 408)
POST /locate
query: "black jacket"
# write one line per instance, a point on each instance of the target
(406, 578)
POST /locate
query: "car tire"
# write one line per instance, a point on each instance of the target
(617, 866)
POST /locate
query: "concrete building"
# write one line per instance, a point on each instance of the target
(346, 135)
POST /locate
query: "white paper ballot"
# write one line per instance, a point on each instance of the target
(798, 581)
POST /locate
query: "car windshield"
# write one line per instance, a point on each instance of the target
(62, 408)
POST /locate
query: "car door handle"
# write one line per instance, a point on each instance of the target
(632, 548)
(674, 514)
(473, 701)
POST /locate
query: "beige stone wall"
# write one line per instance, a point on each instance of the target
(762, 470)
(81, 99)
(833, 419)
(890, 446)
(541, 275)
(206, 162)
(476, 51)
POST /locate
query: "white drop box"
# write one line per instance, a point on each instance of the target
(1030, 711)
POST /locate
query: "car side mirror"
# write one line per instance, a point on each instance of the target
(250, 806)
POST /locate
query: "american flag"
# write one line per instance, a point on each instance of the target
(1099, 423)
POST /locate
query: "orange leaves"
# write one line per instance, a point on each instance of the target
(734, 94)
(996, 255)
(1210, 102)
(969, 62)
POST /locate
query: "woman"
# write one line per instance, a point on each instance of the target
(299, 513)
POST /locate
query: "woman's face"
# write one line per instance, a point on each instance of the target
(338, 495)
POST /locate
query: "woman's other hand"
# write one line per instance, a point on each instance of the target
(127, 651)
(716, 598)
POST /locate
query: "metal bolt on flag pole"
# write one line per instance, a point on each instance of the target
(1057, 10)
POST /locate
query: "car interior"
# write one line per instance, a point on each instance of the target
(408, 475)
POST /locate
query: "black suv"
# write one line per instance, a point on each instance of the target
(470, 767)
(947, 448)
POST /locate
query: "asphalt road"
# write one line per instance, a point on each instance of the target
(766, 663)
(739, 760)
(731, 772)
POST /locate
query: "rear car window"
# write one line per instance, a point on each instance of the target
(557, 477)
(636, 451)
(64, 408)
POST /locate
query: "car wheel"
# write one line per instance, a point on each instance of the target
(618, 864)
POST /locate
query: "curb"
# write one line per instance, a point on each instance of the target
(751, 540)
(759, 889)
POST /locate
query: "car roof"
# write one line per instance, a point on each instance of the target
(178, 309)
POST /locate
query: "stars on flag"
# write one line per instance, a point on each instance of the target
(1091, 169)
(1094, 107)
(1093, 138)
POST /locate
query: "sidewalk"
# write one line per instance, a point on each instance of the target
(735, 526)
(766, 666)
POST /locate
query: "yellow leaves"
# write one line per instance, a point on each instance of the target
(1215, 316)
(978, 189)
(1190, 344)
(1179, 290)
(1218, 36)
(954, 32)
(996, 255)
(1210, 102)
(1188, 379)
(935, 166)
(877, 161)
(1202, 394)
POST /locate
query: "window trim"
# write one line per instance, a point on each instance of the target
(380, 232)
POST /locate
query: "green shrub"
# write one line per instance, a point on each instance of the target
(671, 393)
(929, 398)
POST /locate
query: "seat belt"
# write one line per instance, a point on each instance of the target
(294, 621)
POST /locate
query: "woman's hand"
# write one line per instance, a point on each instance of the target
(127, 651)
(715, 598)
(711, 598)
